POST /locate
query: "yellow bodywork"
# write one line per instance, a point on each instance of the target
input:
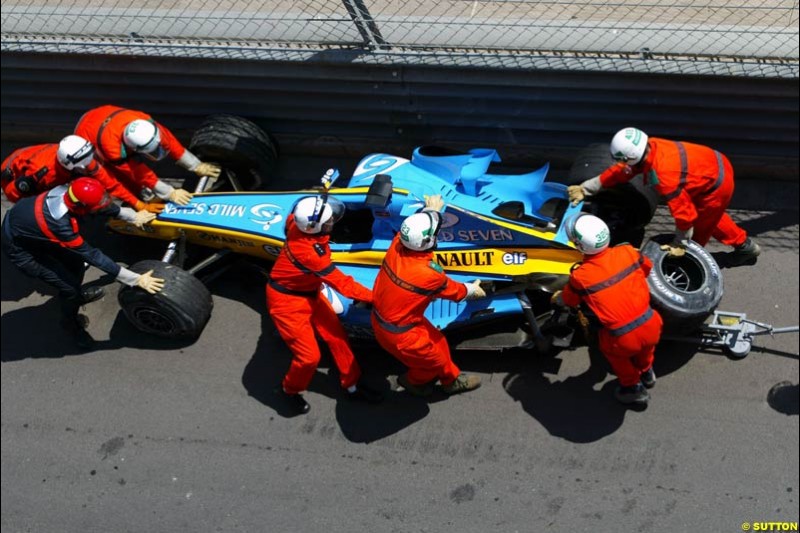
(508, 261)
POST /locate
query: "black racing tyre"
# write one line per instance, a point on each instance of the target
(248, 155)
(626, 208)
(685, 290)
(179, 311)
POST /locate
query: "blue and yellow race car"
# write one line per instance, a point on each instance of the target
(504, 229)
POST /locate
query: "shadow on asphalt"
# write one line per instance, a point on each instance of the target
(573, 408)
(264, 372)
(771, 230)
(359, 422)
(29, 334)
(781, 225)
(17, 286)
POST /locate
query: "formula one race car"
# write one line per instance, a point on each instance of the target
(507, 230)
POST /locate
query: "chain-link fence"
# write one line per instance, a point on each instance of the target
(722, 37)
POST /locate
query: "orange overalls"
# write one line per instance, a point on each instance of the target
(298, 309)
(104, 126)
(695, 181)
(406, 284)
(613, 284)
(40, 164)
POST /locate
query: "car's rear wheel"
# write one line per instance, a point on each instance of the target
(626, 208)
(685, 290)
(180, 311)
(248, 154)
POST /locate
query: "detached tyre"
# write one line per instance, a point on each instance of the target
(685, 290)
(180, 311)
(626, 208)
(247, 154)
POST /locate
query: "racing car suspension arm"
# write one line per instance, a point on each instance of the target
(172, 247)
(539, 340)
(209, 260)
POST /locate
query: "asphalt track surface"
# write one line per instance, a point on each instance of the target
(143, 435)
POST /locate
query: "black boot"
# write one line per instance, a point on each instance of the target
(77, 328)
(365, 393)
(648, 378)
(747, 252)
(634, 395)
(416, 390)
(84, 340)
(295, 402)
(92, 294)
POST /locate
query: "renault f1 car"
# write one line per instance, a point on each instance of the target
(507, 230)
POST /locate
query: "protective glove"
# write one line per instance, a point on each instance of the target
(590, 187)
(576, 194)
(556, 299)
(153, 207)
(180, 196)
(208, 169)
(147, 282)
(143, 217)
(677, 248)
(582, 320)
(474, 290)
(434, 202)
(674, 249)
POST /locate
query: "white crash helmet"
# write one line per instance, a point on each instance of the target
(629, 145)
(143, 137)
(588, 233)
(75, 154)
(318, 214)
(419, 231)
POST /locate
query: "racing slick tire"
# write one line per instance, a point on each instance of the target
(248, 155)
(684, 290)
(626, 208)
(179, 311)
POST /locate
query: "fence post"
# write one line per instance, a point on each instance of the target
(365, 23)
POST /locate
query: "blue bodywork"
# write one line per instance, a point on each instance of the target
(476, 218)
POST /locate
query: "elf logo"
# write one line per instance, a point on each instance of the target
(515, 258)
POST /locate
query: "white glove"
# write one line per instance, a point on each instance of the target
(557, 300)
(578, 193)
(147, 282)
(474, 290)
(674, 249)
(180, 196)
(677, 248)
(575, 194)
(434, 202)
(208, 169)
(143, 217)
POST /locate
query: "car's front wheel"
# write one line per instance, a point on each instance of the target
(179, 311)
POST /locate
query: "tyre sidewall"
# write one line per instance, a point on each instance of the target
(185, 302)
(680, 308)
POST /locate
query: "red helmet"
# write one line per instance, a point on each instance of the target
(86, 195)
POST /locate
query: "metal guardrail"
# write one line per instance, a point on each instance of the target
(350, 110)
(757, 38)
